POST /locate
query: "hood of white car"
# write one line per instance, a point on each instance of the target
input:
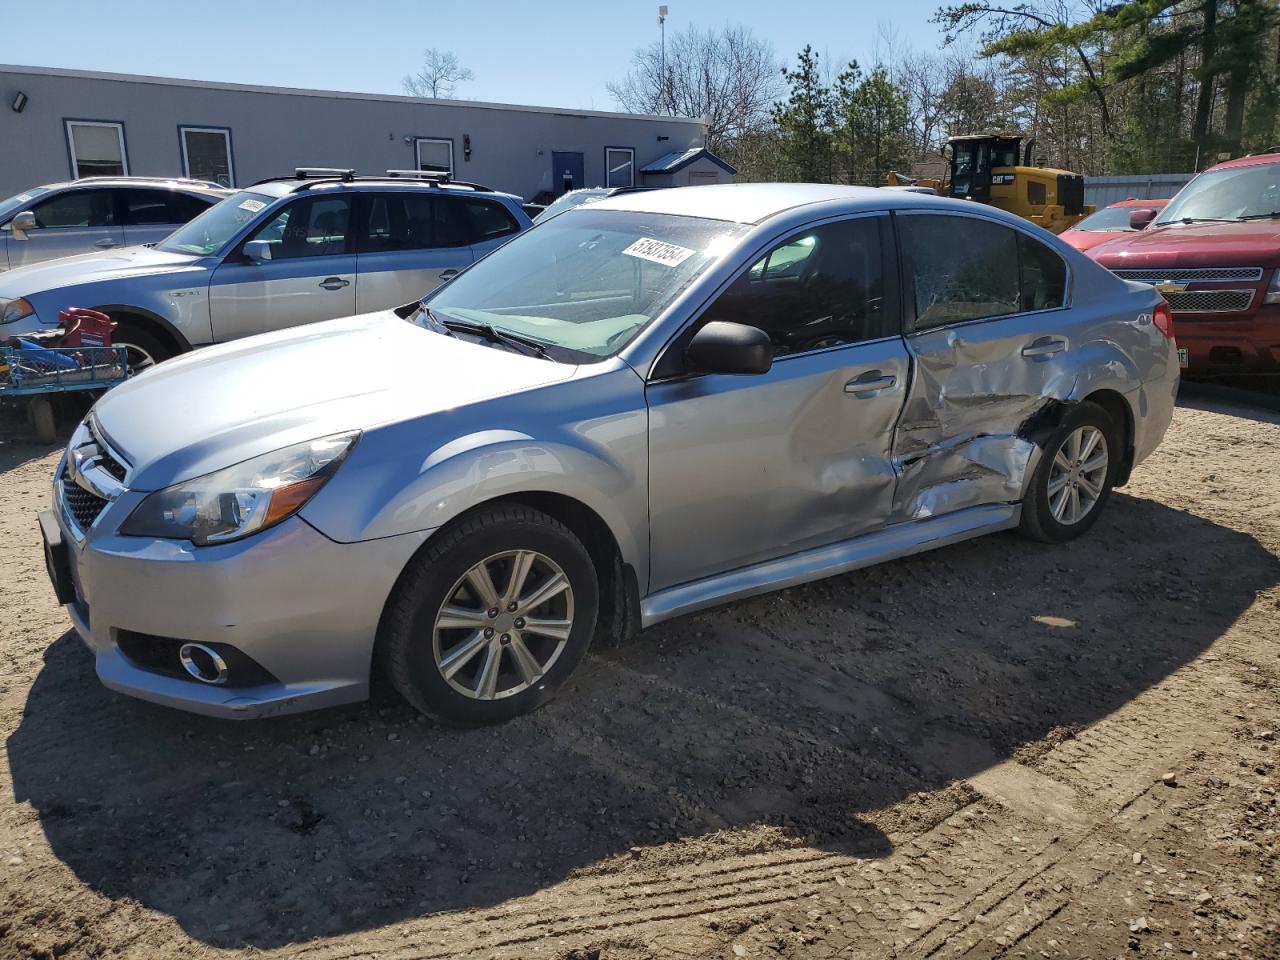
(225, 404)
(91, 267)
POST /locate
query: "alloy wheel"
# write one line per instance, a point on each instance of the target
(1078, 475)
(493, 641)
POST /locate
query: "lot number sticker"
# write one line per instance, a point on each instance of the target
(667, 254)
(253, 206)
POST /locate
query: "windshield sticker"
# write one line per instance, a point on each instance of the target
(253, 206)
(23, 196)
(667, 254)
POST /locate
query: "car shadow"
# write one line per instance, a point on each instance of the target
(800, 716)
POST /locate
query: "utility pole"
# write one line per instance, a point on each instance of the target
(662, 71)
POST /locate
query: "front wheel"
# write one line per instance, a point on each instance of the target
(142, 348)
(1073, 480)
(491, 618)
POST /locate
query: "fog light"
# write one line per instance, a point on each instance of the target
(202, 663)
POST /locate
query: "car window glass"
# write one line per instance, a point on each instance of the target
(76, 208)
(314, 227)
(820, 289)
(490, 220)
(451, 226)
(962, 268)
(397, 221)
(183, 207)
(143, 207)
(1043, 275)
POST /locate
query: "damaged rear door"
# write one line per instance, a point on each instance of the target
(992, 343)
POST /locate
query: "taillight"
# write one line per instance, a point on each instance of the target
(1162, 317)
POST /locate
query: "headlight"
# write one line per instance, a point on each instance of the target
(243, 499)
(1273, 291)
(12, 311)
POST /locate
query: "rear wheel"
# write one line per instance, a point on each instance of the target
(1073, 480)
(491, 618)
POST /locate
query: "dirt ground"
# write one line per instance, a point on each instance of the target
(996, 749)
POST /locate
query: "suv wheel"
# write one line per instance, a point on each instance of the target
(491, 618)
(1073, 480)
(144, 349)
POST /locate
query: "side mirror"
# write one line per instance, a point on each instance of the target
(258, 250)
(21, 223)
(721, 347)
(1139, 219)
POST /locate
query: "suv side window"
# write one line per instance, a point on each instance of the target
(961, 268)
(76, 208)
(821, 288)
(143, 207)
(1043, 275)
(490, 220)
(397, 221)
(311, 227)
(451, 223)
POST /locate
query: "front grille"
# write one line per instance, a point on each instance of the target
(1209, 301)
(110, 464)
(82, 506)
(1191, 274)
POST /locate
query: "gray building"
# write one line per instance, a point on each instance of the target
(61, 124)
(1101, 191)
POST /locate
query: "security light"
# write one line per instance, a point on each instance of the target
(19, 102)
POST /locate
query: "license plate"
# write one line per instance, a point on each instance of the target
(1184, 357)
(57, 559)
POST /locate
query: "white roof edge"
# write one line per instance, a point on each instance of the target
(336, 94)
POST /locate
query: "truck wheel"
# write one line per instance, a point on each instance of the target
(1073, 480)
(491, 618)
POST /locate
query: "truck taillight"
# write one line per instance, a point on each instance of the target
(1162, 317)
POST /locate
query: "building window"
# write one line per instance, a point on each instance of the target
(96, 148)
(206, 154)
(435, 155)
(619, 167)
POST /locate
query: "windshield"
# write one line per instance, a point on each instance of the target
(19, 203)
(574, 198)
(1112, 218)
(210, 232)
(1227, 195)
(585, 283)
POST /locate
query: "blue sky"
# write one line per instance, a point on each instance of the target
(551, 53)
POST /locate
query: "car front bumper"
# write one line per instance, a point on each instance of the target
(1227, 344)
(302, 607)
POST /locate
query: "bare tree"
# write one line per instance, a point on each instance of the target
(728, 76)
(439, 77)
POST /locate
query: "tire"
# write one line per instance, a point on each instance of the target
(420, 645)
(1045, 516)
(145, 349)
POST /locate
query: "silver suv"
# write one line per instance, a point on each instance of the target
(312, 246)
(97, 213)
(644, 407)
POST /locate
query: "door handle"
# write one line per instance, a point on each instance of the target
(448, 274)
(869, 385)
(106, 242)
(334, 283)
(1044, 347)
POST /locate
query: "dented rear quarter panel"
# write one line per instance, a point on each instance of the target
(975, 412)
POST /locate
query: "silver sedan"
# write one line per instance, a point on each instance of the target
(648, 406)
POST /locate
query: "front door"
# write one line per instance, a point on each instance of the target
(991, 342)
(744, 469)
(68, 223)
(568, 172)
(311, 275)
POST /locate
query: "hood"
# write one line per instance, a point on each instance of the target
(222, 405)
(91, 267)
(1252, 243)
(1084, 240)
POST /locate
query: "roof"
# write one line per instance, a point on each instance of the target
(757, 202)
(679, 159)
(333, 94)
(1255, 160)
(289, 185)
(172, 183)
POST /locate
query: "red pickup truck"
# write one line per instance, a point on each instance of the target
(1214, 252)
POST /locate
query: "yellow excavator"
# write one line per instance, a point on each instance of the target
(984, 167)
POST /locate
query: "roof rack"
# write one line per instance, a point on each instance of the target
(128, 176)
(437, 177)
